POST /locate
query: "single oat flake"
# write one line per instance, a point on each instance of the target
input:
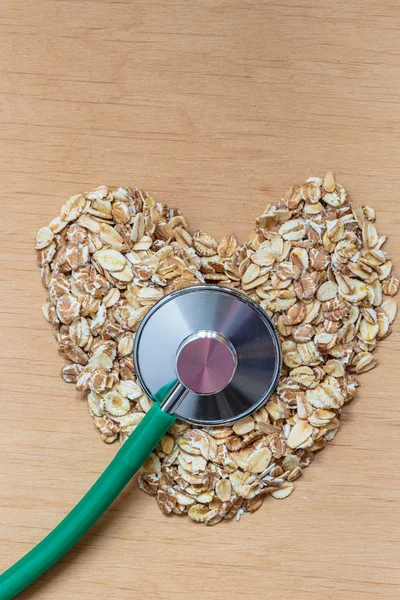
(314, 263)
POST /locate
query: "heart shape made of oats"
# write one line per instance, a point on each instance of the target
(314, 263)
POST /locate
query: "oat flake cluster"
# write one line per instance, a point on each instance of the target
(315, 263)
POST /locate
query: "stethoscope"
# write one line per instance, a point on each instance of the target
(207, 355)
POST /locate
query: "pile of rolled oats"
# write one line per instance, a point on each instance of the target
(314, 263)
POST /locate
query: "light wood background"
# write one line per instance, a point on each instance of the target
(217, 106)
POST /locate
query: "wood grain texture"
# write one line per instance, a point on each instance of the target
(217, 106)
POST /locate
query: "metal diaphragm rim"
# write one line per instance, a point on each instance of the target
(227, 312)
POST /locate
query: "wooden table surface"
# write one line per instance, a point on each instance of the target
(217, 106)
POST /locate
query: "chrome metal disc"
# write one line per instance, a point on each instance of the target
(246, 331)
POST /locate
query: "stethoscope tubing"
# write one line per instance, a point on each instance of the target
(96, 501)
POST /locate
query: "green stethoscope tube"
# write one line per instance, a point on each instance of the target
(85, 514)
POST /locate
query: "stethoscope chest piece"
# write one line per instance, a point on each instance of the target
(215, 342)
